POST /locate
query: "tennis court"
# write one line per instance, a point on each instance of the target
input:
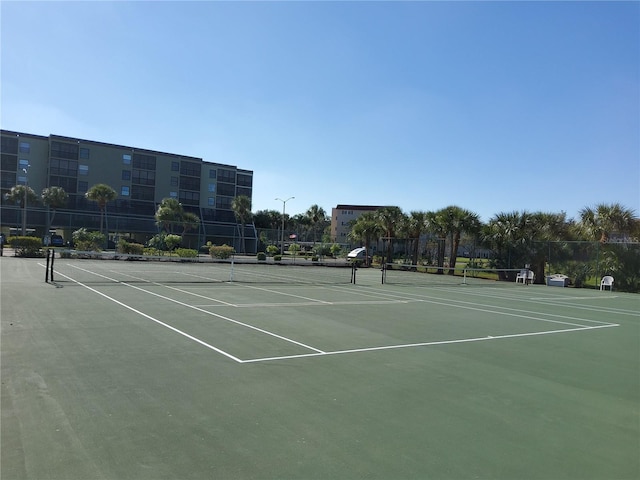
(119, 371)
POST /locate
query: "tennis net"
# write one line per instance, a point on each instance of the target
(401, 274)
(111, 268)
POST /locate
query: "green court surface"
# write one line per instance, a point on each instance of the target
(300, 378)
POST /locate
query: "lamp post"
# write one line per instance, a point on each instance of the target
(284, 203)
(24, 207)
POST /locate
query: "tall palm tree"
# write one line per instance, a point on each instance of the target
(365, 229)
(600, 222)
(436, 226)
(53, 198)
(22, 195)
(102, 194)
(315, 216)
(241, 206)
(416, 226)
(457, 220)
(169, 214)
(389, 218)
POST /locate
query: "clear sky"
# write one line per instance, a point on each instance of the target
(491, 106)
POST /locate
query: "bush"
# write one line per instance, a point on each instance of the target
(26, 246)
(88, 241)
(130, 248)
(272, 250)
(277, 258)
(261, 256)
(186, 252)
(314, 258)
(222, 251)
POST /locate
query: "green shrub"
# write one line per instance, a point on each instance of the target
(261, 256)
(222, 251)
(85, 240)
(272, 250)
(186, 252)
(172, 241)
(277, 258)
(130, 247)
(314, 258)
(26, 246)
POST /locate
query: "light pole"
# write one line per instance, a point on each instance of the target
(284, 203)
(24, 207)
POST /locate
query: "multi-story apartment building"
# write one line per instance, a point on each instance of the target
(342, 217)
(142, 179)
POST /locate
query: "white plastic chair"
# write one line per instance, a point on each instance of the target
(607, 281)
(525, 276)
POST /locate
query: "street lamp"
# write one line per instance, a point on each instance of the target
(24, 207)
(284, 203)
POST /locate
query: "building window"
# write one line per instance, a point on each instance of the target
(212, 173)
(124, 191)
(83, 169)
(84, 153)
(175, 166)
(126, 159)
(25, 147)
(126, 174)
(145, 162)
(22, 179)
(83, 186)
(211, 201)
(189, 183)
(228, 176)
(190, 168)
(212, 187)
(173, 194)
(174, 181)
(64, 150)
(23, 164)
(144, 177)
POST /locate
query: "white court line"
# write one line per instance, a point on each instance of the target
(424, 344)
(222, 317)
(318, 352)
(464, 304)
(149, 317)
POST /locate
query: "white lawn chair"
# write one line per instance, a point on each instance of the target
(607, 281)
(525, 276)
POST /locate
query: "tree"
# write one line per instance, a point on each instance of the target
(316, 215)
(22, 195)
(53, 198)
(436, 225)
(389, 219)
(169, 214)
(455, 221)
(241, 206)
(365, 229)
(101, 194)
(600, 222)
(416, 226)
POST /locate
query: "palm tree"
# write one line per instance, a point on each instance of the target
(435, 225)
(365, 229)
(389, 219)
(190, 221)
(457, 220)
(241, 206)
(169, 213)
(315, 215)
(22, 195)
(102, 194)
(53, 198)
(416, 226)
(599, 223)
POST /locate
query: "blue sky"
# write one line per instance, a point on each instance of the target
(491, 106)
